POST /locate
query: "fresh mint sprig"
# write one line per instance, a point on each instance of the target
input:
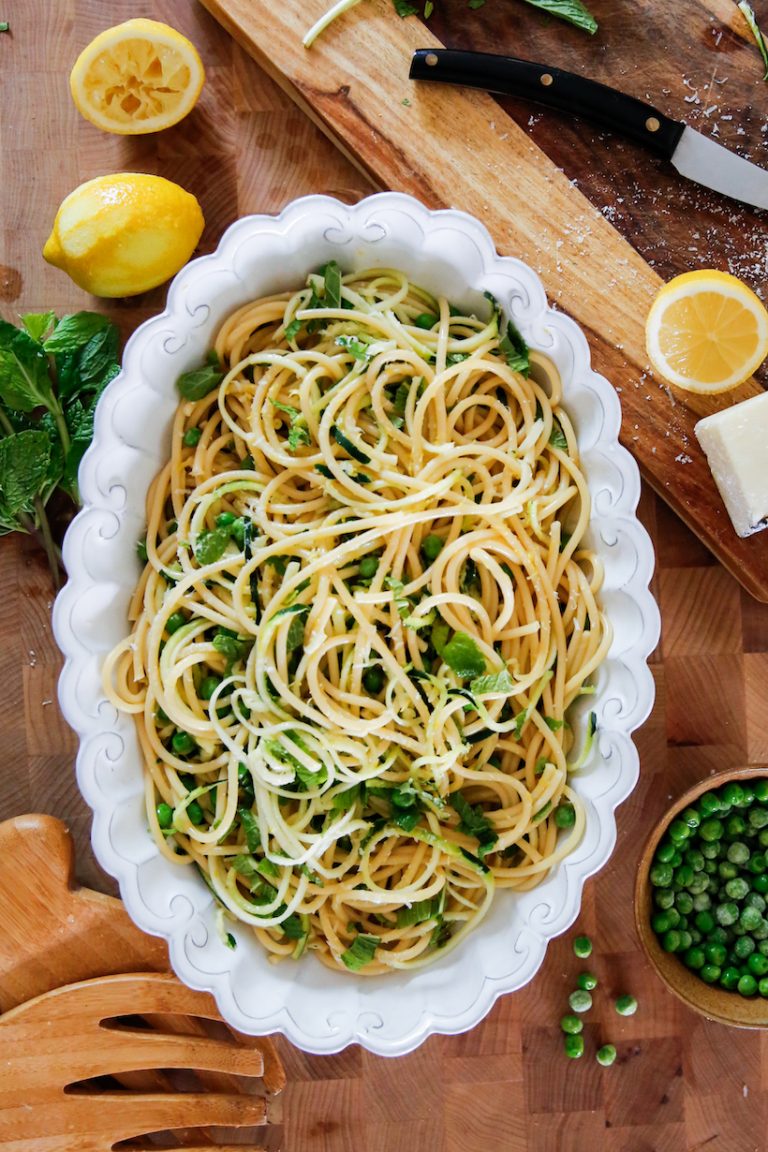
(52, 373)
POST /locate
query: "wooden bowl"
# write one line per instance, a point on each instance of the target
(711, 1001)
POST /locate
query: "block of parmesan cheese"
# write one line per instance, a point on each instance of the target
(736, 445)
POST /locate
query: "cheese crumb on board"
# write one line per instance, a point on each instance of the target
(735, 442)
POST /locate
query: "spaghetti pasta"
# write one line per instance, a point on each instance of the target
(366, 610)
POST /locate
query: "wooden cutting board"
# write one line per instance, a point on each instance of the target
(458, 148)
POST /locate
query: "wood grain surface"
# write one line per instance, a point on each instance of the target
(456, 148)
(681, 1084)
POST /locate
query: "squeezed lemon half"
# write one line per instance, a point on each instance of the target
(124, 234)
(140, 76)
(706, 332)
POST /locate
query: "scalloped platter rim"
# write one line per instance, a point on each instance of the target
(318, 1010)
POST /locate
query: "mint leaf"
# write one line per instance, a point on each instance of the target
(557, 437)
(463, 656)
(24, 380)
(292, 330)
(355, 347)
(403, 8)
(498, 683)
(474, 822)
(572, 11)
(210, 545)
(331, 285)
(98, 359)
(24, 462)
(196, 384)
(232, 648)
(73, 332)
(250, 827)
(38, 324)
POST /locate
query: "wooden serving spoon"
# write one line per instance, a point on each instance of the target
(121, 1056)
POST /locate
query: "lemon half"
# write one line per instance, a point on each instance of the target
(706, 332)
(124, 234)
(140, 76)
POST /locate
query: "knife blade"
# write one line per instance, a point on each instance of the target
(695, 156)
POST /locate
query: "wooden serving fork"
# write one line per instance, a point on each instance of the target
(151, 1036)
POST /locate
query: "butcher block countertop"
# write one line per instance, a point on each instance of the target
(680, 1084)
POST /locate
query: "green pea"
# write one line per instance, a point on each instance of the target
(738, 853)
(736, 889)
(225, 519)
(762, 947)
(715, 953)
(726, 914)
(744, 947)
(761, 932)
(748, 794)
(663, 898)
(761, 790)
(732, 793)
(665, 852)
(709, 803)
(709, 851)
(729, 978)
(757, 863)
(580, 1001)
(694, 857)
(373, 680)
(571, 1024)
(762, 986)
(711, 830)
(175, 621)
(698, 884)
(671, 940)
(582, 945)
(574, 1046)
(750, 918)
(238, 531)
(683, 875)
(208, 686)
(195, 812)
(164, 815)
(757, 964)
(686, 939)
(727, 871)
(704, 921)
(710, 973)
(735, 826)
(702, 901)
(182, 743)
(660, 876)
(678, 831)
(747, 985)
(755, 900)
(625, 1005)
(690, 817)
(762, 837)
(684, 903)
(677, 858)
(191, 437)
(757, 817)
(565, 815)
(426, 320)
(695, 958)
(368, 566)
(760, 884)
(606, 1055)
(432, 546)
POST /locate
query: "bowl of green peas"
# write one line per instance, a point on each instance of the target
(701, 897)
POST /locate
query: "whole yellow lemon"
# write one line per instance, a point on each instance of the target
(124, 234)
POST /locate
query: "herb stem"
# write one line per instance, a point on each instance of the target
(61, 426)
(52, 551)
(5, 424)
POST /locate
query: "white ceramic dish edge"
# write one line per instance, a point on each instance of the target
(318, 1010)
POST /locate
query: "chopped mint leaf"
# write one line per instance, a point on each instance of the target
(463, 656)
(498, 683)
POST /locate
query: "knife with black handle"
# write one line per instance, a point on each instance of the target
(695, 156)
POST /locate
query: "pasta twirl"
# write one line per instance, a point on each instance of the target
(366, 610)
